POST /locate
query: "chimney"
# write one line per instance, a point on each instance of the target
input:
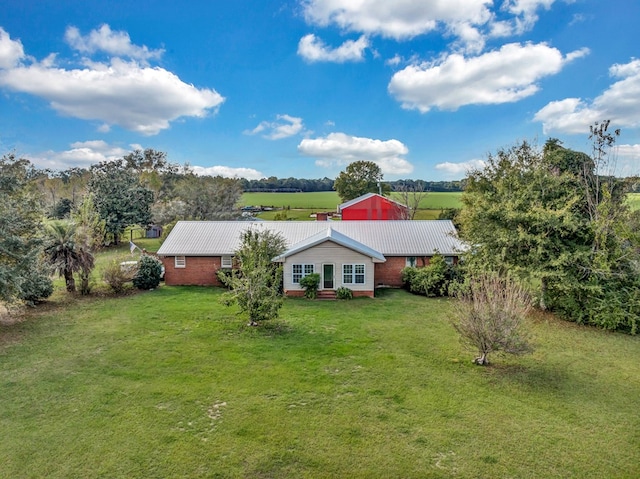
(322, 216)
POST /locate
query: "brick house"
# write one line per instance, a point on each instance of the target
(372, 206)
(360, 255)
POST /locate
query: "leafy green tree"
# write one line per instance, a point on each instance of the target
(524, 218)
(119, 197)
(210, 197)
(256, 285)
(22, 273)
(551, 217)
(359, 178)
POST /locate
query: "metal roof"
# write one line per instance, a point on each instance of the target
(366, 196)
(390, 238)
(331, 235)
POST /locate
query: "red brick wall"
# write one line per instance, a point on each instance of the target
(200, 270)
(389, 272)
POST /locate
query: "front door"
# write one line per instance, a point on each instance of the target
(327, 276)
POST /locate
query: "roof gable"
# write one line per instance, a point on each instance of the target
(335, 237)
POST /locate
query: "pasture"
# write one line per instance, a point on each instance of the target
(169, 383)
(329, 200)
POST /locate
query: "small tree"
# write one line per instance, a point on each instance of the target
(359, 178)
(255, 286)
(489, 316)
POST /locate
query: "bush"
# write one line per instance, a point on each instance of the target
(116, 275)
(35, 287)
(431, 280)
(344, 293)
(310, 283)
(149, 273)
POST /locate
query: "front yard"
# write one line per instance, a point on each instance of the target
(169, 383)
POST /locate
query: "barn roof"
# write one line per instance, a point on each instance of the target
(364, 197)
(390, 238)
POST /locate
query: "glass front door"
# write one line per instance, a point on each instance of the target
(327, 276)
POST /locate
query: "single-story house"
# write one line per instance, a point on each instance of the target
(372, 206)
(360, 255)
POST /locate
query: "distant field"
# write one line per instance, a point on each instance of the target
(328, 200)
(633, 200)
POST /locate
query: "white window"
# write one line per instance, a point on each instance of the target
(449, 260)
(180, 262)
(299, 271)
(412, 261)
(353, 273)
(226, 262)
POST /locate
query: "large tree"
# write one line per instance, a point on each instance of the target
(534, 213)
(256, 285)
(209, 197)
(120, 198)
(22, 274)
(359, 178)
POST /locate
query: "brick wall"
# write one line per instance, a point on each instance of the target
(199, 270)
(389, 272)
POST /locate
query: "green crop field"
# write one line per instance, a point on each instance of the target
(329, 200)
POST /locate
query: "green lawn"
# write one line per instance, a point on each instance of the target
(168, 383)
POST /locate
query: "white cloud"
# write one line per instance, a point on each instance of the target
(313, 49)
(113, 43)
(627, 160)
(11, 51)
(525, 12)
(339, 149)
(228, 172)
(501, 76)
(400, 19)
(82, 154)
(139, 98)
(284, 127)
(619, 103)
(460, 170)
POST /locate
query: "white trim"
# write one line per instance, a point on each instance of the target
(180, 262)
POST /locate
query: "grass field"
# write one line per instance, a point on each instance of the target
(633, 200)
(169, 383)
(329, 200)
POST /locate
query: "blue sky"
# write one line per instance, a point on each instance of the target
(301, 88)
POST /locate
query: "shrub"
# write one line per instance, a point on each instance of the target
(149, 273)
(116, 275)
(310, 283)
(35, 287)
(344, 293)
(489, 316)
(435, 279)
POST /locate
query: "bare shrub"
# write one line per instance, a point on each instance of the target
(117, 274)
(489, 316)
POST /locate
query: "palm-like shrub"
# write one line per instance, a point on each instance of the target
(65, 253)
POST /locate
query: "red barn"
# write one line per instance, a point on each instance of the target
(373, 207)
